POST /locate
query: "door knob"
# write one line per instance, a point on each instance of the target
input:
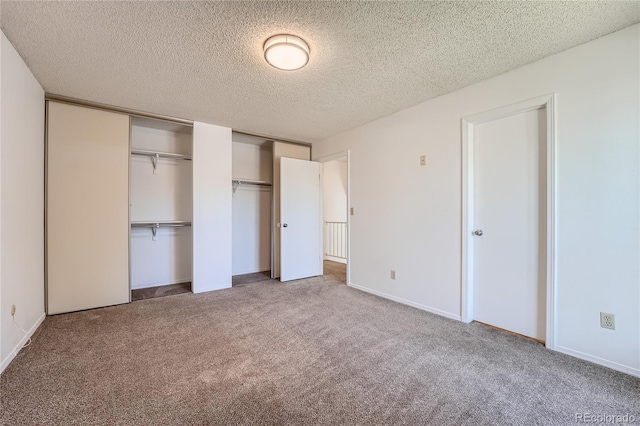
(284, 225)
(478, 232)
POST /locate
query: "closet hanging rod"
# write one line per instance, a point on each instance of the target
(154, 226)
(237, 182)
(251, 182)
(165, 224)
(160, 154)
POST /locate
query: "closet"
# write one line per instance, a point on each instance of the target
(141, 206)
(255, 204)
(161, 199)
(251, 186)
(124, 190)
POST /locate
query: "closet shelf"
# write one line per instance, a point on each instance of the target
(237, 182)
(154, 226)
(157, 154)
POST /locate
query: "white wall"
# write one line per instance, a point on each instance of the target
(167, 260)
(334, 191)
(252, 208)
(408, 217)
(334, 209)
(211, 207)
(166, 195)
(252, 161)
(22, 201)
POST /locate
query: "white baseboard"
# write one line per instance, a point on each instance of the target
(407, 302)
(16, 349)
(204, 290)
(576, 354)
(600, 361)
(335, 259)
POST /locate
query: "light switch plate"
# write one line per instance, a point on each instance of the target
(423, 160)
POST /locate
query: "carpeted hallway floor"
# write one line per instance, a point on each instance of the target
(306, 352)
(337, 271)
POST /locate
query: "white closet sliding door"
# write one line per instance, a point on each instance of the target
(87, 208)
(211, 224)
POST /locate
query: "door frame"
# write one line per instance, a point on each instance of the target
(326, 159)
(468, 123)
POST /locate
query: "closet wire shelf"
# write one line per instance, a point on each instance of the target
(154, 226)
(155, 156)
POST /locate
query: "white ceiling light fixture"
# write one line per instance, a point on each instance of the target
(286, 52)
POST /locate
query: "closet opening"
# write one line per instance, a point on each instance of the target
(160, 208)
(251, 185)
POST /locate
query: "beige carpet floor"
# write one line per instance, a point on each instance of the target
(256, 277)
(312, 351)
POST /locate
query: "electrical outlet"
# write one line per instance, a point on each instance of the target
(351, 210)
(423, 160)
(607, 321)
(13, 310)
(393, 274)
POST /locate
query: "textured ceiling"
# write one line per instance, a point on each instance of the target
(203, 60)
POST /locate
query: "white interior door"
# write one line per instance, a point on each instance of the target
(300, 226)
(282, 150)
(509, 216)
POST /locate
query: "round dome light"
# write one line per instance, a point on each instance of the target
(286, 52)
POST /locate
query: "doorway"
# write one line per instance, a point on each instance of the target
(335, 216)
(508, 217)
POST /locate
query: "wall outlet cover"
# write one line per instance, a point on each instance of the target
(423, 160)
(393, 274)
(607, 321)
